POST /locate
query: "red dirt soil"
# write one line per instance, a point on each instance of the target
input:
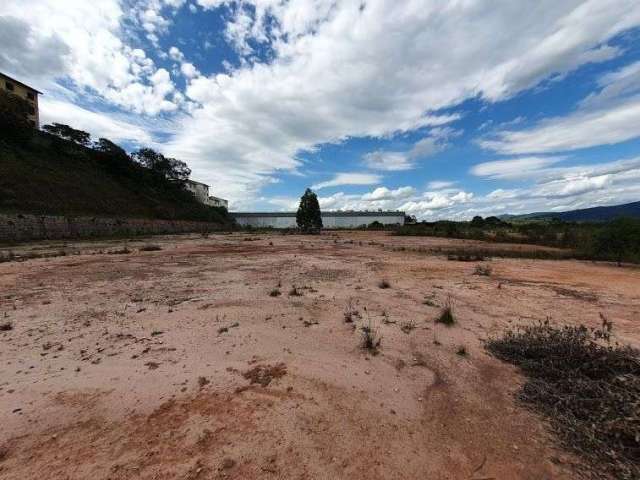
(178, 364)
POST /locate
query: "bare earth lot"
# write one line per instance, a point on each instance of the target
(179, 364)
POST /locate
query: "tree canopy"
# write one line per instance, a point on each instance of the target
(68, 133)
(309, 217)
(167, 167)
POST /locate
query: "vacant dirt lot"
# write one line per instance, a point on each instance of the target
(185, 363)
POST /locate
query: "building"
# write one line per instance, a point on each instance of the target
(338, 219)
(201, 192)
(15, 87)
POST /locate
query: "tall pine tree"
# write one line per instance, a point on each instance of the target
(308, 217)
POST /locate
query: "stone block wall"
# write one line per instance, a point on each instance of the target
(25, 227)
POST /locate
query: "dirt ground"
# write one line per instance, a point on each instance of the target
(184, 363)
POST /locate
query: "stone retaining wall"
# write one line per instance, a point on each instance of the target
(25, 227)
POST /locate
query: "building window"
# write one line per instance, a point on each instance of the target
(9, 86)
(31, 96)
(31, 110)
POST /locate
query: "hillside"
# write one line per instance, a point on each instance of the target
(49, 175)
(594, 214)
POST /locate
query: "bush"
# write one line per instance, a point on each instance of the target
(586, 387)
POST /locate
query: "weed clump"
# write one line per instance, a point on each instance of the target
(384, 284)
(275, 292)
(446, 316)
(483, 270)
(295, 292)
(6, 326)
(408, 326)
(350, 312)
(371, 338)
(462, 351)
(586, 387)
(150, 248)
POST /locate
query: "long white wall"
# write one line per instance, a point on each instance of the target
(329, 220)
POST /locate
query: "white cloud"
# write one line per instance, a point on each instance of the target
(333, 70)
(335, 73)
(98, 124)
(513, 168)
(609, 116)
(83, 44)
(440, 184)
(383, 193)
(349, 179)
(582, 129)
(390, 161)
(189, 70)
(176, 54)
(435, 142)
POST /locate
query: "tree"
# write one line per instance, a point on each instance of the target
(619, 240)
(114, 157)
(167, 167)
(68, 133)
(14, 122)
(477, 221)
(309, 217)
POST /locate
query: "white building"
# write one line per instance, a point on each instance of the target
(338, 219)
(201, 192)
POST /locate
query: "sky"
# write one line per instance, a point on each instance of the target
(442, 109)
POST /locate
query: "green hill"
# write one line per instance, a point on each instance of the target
(45, 174)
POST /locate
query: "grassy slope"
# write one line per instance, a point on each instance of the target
(42, 179)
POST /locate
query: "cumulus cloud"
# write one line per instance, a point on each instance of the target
(341, 179)
(261, 115)
(383, 193)
(26, 54)
(332, 72)
(83, 44)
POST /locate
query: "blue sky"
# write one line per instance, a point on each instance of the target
(441, 109)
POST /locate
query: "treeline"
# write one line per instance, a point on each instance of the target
(617, 240)
(62, 170)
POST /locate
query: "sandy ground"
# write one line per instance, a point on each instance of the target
(141, 365)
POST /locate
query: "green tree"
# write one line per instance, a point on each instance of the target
(619, 241)
(114, 157)
(309, 217)
(68, 133)
(169, 168)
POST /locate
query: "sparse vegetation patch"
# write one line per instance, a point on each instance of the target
(587, 387)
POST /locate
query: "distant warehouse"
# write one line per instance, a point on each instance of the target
(346, 219)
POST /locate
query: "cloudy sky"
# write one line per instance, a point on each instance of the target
(442, 109)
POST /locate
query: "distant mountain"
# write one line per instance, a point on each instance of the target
(594, 214)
